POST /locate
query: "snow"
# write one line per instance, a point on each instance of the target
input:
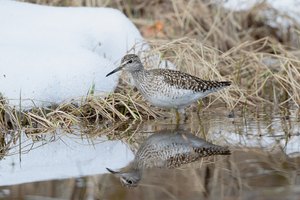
(52, 54)
(285, 7)
(62, 157)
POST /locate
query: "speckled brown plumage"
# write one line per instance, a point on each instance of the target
(169, 150)
(186, 81)
(196, 154)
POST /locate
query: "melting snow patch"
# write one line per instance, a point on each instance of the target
(61, 157)
(287, 7)
(53, 54)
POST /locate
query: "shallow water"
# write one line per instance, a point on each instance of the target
(264, 164)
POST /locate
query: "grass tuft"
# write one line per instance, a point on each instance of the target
(260, 57)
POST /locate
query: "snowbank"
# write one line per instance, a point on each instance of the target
(286, 7)
(62, 157)
(53, 54)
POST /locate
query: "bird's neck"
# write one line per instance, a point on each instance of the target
(138, 75)
(131, 167)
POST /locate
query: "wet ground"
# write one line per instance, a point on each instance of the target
(264, 164)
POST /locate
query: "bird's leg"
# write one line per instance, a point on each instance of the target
(179, 112)
(177, 117)
(199, 106)
(185, 116)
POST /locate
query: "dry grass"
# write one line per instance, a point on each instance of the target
(200, 38)
(117, 106)
(90, 116)
(210, 42)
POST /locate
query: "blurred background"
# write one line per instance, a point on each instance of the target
(254, 44)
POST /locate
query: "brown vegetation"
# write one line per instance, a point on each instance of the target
(201, 38)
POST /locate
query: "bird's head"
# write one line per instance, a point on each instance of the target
(130, 63)
(127, 179)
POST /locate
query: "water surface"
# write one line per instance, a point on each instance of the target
(264, 163)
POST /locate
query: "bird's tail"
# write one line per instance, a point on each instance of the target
(218, 85)
(224, 83)
(214, 86)
(212, 150)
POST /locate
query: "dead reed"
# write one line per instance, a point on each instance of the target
(201, 38)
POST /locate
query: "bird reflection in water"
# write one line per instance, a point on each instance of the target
(166, 150)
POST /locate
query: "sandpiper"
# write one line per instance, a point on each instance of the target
(166, 150)
(167, 88)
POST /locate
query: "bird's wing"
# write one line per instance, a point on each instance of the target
(186, 81)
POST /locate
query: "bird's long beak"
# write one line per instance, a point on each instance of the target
(112, 171)
(114, 71)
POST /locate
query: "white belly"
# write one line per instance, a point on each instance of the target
(178, 99)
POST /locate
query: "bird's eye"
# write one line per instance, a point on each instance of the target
(129, 61)
(129, 182)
